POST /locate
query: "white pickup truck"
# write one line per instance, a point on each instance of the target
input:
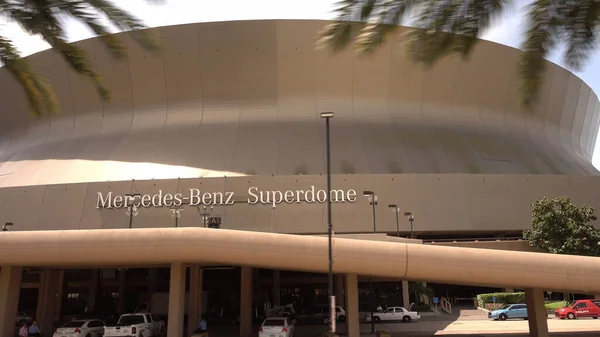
(136, 325)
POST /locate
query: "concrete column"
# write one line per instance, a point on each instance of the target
(536, 312)
(92, 291)
(405, 294)
(340, 298)
(49, 299)
(121, 290)
(509, 290)
(10, 287)
(276, 287)
(352, 315)
(195, 302)
(59, 295)
(246, 302)
(176, 299)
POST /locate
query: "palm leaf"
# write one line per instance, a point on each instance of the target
(453, 26)
(44, 18)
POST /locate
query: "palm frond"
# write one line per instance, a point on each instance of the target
(580, 31)
(451, 26)
(541, 36)
(45, 18)
(40, 96)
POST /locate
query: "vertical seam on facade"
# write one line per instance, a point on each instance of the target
(87, 186)
(164, 66)
(199, 60)
(130, 84)
(37, 217)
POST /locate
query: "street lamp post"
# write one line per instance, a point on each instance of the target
(396, 210)
(332, 314)
(131, 208)
(176, 213)
(411, 218)
(373, 201)
(204, 213)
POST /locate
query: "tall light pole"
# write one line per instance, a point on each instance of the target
(204, 213)
(176, 213)
(131, 208)
(411, 218)
(396, 210)
(332, 314)
(373, 201)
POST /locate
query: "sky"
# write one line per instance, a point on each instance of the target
(507, 30)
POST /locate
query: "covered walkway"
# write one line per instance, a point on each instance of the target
(183, 247)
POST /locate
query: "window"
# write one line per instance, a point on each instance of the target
(337, 309)
(389, 311)
(580, 306)
(95, 324)
(74, 324)
(399, 310)
(274, 322)
(131, 320)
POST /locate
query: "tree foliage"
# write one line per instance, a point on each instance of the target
(45, 18)
(454, 26)
(560, 227)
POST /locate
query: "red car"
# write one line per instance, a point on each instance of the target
(581, 308)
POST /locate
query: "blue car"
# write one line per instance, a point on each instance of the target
(510, 311)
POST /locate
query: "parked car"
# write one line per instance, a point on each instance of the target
(276, 327)
(394, 314)
(580, 309)
(509, 311)
(81, 328)
(136, 325)
(317, 315)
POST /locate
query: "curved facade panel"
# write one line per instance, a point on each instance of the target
(239, 103)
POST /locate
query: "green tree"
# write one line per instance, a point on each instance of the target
(418, 289)
(453, 26)
(45, 18)
(560, 227)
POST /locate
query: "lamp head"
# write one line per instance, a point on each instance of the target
(392, 206)
(6, 225)
(368, 193)
(328, 114)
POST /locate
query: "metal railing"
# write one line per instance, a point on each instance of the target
(445, 305)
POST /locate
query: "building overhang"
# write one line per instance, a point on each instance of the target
(442, 264)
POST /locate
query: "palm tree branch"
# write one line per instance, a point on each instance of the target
(579, 31)
(541, 36)
(40, 96)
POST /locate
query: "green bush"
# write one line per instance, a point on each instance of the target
(421, 308)
(556, 305)
(501, 298)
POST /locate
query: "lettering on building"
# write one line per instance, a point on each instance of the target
(196, 197)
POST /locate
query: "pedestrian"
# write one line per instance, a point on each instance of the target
(34, 331)
(24, 331)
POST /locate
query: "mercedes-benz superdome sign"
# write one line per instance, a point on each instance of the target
(196, 197)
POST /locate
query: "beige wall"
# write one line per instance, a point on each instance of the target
(520, 245)
(440, 264)
(440, 202)
(237, 98)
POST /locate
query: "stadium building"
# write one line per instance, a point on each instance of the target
(221, 128)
